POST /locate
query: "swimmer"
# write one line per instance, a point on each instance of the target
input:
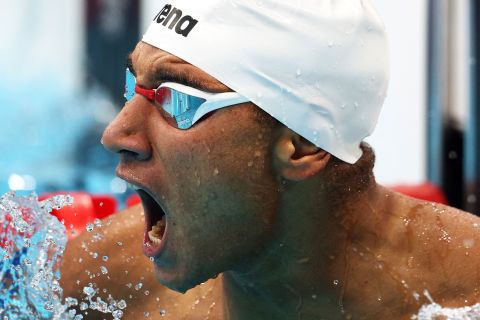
(243, 135)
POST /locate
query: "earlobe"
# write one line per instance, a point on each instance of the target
(298, 159)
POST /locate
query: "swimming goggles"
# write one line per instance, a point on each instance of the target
(185, 104)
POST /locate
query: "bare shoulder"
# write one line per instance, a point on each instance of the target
(110, 259)
(107, 245)
(444, 249)
(423, 250)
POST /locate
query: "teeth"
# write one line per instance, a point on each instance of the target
(155, 234)
(153, 237)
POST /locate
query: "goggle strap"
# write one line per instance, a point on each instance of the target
(216, 104)
(147, 93)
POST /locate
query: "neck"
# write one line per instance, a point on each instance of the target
(303, 271)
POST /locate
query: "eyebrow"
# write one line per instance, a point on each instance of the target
(164, 75)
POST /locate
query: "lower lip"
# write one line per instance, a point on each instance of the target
(151, 250)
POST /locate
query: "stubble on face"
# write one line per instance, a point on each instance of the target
(214, 180)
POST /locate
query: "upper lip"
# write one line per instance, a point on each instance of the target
(120, 173)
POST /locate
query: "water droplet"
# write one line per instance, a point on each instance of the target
(104, 270)
(89, 291)
(105, 258)
(163, 312)
(97, 222)
(428, 296)
(121, 304)
(380, 265)
(139, 286)
(416, 296)
(468, 243)
(147, 292)
(89, 227)
(117, 314)
(336, 282)
(215, 172)
(146, 314)
(48, 306)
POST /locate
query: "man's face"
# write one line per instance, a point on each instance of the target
(214, 181)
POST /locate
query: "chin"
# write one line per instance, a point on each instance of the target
(181, 283)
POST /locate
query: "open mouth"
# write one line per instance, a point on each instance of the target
(155, 224)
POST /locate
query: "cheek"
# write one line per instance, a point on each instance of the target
(234, 204)
(222, 190)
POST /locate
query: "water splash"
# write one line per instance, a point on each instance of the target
(32, 242)
(31, 246)
(435, 311)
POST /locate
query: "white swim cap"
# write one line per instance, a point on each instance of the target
(318, 66)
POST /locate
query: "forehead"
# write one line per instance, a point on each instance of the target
(152, 65)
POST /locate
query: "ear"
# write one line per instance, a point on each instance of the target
(298, 159)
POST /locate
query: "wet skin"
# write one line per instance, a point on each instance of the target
(252, 203)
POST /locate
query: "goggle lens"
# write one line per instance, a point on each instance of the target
(184, 107)
(180, 106)
(130, 83)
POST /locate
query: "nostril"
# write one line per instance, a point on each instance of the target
(128, 155)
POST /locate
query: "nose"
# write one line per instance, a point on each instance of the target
(126, 133)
